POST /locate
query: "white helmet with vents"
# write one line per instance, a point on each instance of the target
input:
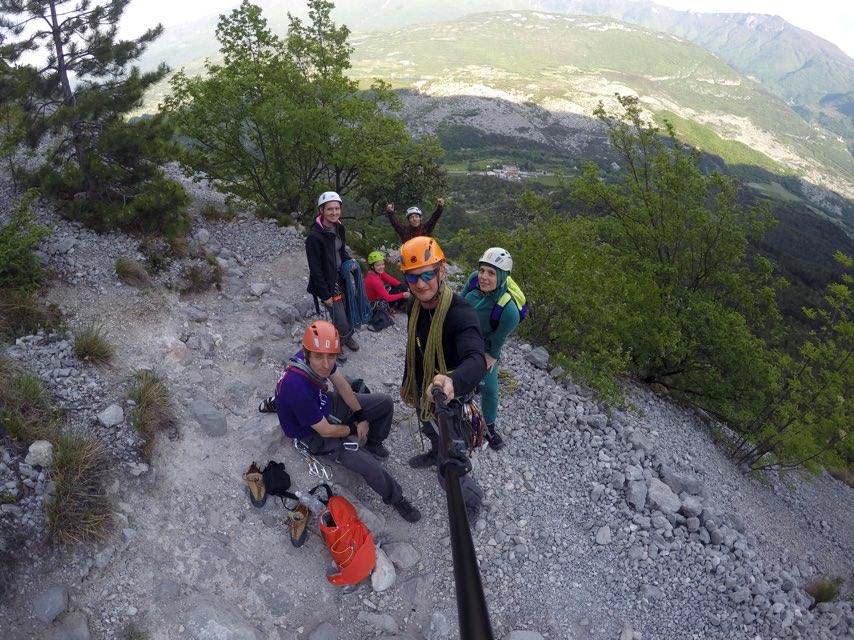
(498, 258)
(328, 196)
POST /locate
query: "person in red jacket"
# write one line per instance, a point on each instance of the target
(381, 286)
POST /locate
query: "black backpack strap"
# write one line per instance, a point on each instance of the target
(329, 493)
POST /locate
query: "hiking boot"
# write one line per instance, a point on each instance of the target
(351, 344)
(423, 460)
(407, 511)
(255, 481)
(298, 518)
(376, 448)
(494, 438)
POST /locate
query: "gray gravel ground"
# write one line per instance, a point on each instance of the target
(621, 524)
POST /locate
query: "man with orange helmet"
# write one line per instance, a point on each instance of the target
(444, 348)
(334, 424)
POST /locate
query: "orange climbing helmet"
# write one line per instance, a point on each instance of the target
(421, 251)
(321, 336)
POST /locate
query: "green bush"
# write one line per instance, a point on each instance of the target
(20, 269)
(213, 212)
(823, 589)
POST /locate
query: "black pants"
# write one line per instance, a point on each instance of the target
(378, 410)
(472, 493)
(400, 305)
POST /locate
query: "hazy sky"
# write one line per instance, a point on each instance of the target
(826, 18)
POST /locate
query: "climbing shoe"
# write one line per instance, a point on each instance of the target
(376, 448)
(352, 344)
(423, 460)
(494, 438)
(298, 518)
(407, 511)
(255, 482)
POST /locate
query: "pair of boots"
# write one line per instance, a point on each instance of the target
(297, 517)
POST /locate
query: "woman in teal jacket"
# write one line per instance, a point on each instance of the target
(494, 268)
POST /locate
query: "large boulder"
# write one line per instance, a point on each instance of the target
(40, 454)
(111, 416)
(285, 312)
(324, 631)
(402, 554)
(661, 497)
(212, 421)
(384, 574)
(208, 619)
(539, 357)
(50, 603)
(74, 626)
(636, 494)
(679, 482)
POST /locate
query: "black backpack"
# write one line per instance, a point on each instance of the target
(277, 481)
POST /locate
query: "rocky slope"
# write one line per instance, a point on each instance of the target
(622, 524)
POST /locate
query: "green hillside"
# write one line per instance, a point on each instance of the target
(569, 63)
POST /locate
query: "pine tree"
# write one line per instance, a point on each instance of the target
(75, 101)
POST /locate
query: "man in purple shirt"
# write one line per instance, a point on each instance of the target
(336, 424)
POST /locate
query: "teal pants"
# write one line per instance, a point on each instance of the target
(489, 395)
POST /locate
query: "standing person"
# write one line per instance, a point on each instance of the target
(326, 251)
(333, 425)
(443, 348)
(379, 285)
(413, 217)
(494, 268)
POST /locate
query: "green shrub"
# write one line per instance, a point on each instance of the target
(154, 412)
(91, 345)
(823, 589)
(79, 510)
(158, 253)
(282, 219)
(132, 273)
(133, 631)
(20, 269)
(25, 412)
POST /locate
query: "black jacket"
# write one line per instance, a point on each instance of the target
(462, 345)
(406, 231)
(320, 253)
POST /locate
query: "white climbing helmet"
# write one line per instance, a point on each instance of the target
(328, 196)
(498, 258)
(413, 211)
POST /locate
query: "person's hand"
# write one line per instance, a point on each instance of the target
(362, 429)
(328, 302)
(390, 207)
(490, 361)
(406, 295)
(440, 202)
(445, 383)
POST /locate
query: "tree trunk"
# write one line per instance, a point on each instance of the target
(68, 95)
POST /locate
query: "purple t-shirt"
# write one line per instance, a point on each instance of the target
(300, 402)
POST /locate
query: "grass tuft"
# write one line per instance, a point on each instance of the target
(23, 314)
(91, 345)
(79, 510)
(132, 273)
(154, 412)
(25, 413)
(200, 277)
(211, 211)
(132, 631)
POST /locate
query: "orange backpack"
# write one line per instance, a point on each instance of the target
(348, 539)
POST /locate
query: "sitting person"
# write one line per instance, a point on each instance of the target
(379, 285)
(413, 217)
(348, 428)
